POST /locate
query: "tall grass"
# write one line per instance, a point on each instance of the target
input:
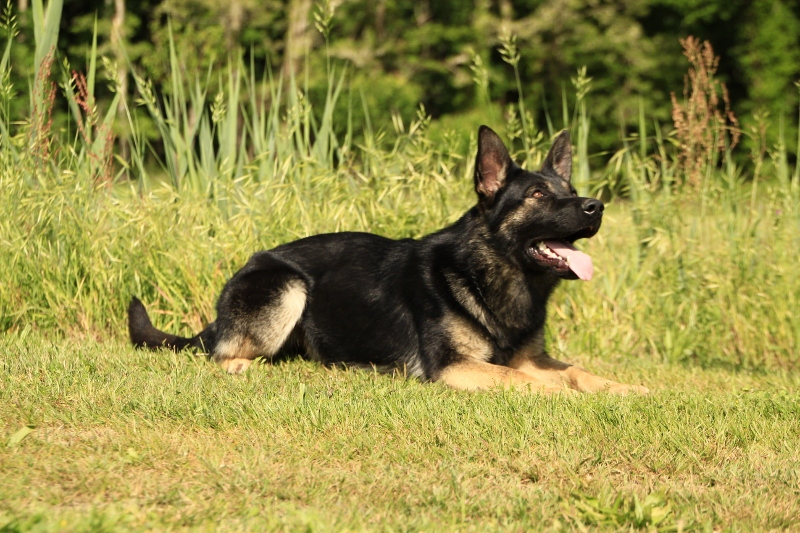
(698, 270)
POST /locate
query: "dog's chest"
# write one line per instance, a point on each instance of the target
(471, 341)
(498, 302)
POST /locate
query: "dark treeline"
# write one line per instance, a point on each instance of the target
(403, 52)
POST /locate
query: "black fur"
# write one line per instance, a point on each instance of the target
(373, 301)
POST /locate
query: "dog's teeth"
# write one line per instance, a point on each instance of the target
(546, 251)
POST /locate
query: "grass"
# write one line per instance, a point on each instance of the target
(131, 440)
(714, 288)
(694, 296)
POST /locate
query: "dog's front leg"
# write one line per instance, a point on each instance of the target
(476, 375)
(546, 369)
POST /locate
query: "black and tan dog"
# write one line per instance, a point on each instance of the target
(465, 305)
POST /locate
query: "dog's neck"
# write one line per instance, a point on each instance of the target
(496, 289)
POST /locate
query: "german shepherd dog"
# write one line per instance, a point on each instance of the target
(465, 305)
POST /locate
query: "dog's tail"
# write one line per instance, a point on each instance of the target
(145, 335)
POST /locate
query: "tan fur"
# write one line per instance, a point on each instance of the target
(467, 340)
(235, 355)
(516, 218)
(533, 361)
(235, 366)
(461, 292)
(504, 292)
(477, 375)
(265, 335)
(519, 216)
(238, 347)
(276, 322)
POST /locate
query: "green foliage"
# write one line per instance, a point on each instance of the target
(239, 176)
(771, 54)
(422, 51)
(694, 295)
(619, 510)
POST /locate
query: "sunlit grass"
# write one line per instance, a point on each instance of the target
(694, 296)
(126, 439)
(717, 288)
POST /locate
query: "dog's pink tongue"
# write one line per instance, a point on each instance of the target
(578, 262)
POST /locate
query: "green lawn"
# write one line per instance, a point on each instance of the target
(697, 302)
(695, 295)
(132, 440)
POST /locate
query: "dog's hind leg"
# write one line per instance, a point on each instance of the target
(257, 311)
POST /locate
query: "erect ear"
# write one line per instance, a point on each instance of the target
(492, 164)
(559, 159)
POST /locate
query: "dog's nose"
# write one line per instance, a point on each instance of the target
(593, 207)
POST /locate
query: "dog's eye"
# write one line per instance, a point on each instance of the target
(537, 194)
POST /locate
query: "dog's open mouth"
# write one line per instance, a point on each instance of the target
(563, 257)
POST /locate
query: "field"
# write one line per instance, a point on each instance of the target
(695, 296)
(129, 440)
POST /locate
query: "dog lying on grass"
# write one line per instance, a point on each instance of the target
(465, 305)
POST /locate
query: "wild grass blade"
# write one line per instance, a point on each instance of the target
(45, 28)
(92, 68)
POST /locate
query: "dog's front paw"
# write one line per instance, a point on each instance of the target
(625, 389)
(554, 389)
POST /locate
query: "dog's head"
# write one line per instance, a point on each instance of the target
(536, 216)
